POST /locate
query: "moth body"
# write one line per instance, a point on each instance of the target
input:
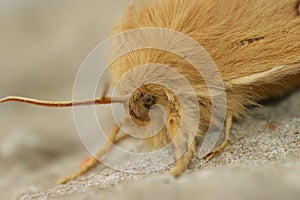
(254, 43)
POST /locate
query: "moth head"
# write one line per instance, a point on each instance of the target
(143, 100)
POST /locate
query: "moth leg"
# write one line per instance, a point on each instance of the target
(183, 162)
(190, 152)
(225, 142)
(182, 159)
(94, 160)
(179, 165)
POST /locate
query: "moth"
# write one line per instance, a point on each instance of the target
(255, 45)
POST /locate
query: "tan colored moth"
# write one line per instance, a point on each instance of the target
(254, 43)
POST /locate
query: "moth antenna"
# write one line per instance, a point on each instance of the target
(102, 100)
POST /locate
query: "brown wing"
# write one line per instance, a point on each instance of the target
(271, 76)
(275, 81)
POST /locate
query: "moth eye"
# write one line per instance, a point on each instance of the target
(148, 99)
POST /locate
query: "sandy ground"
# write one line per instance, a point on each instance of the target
(42, 47)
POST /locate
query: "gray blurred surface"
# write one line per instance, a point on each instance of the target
(42, 46)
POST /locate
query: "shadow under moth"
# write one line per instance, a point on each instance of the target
(255, 45)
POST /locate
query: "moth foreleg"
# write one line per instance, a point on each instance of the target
(225, 142)
(112, 139)
(190, 152)
(182, 158)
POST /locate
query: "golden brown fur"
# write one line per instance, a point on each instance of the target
(243, 37)
(254, 43)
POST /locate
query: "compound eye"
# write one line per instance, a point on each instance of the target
(148, 100)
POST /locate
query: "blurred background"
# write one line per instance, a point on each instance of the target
(42, 44)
